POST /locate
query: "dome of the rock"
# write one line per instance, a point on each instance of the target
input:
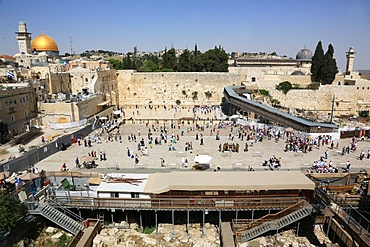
(44, 42)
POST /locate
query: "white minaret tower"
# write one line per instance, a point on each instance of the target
(350, 60)
(24, 38)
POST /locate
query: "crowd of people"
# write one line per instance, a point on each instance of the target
(247, 135)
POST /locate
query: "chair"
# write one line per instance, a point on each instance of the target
(65, 183)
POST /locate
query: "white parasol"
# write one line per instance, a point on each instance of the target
(202, 159)
(234, 117)
(29, 176)
(87, 159)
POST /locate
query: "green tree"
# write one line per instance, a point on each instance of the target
(169, 59)
(317, 62)
(194, 95)
(215, 60)
(148, 66)
(275, 102)
(284, 86)
(264, 92)
(329, 68)
(208, 94)
(127, 62)
(196, 63)
(9, 212)
(185, 61)
(116, 64)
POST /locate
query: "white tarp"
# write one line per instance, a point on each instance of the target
(202, 159)
(67, 125)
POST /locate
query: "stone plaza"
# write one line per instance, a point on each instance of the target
(117, 159)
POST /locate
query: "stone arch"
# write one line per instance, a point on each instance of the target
(253, 79)
(62, 120)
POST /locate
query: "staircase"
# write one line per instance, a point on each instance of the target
(273, 222)
(63, 217)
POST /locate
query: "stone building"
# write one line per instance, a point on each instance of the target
(18, 108)
(64, 111)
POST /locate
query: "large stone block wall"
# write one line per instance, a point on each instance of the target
(165, 88)
(82, 78)
(88, 107)
(106, 83)
(349, 99)
(59, 83)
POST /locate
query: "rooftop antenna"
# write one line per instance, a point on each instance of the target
(70, 43)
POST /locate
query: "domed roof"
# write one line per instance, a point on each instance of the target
(304, 54)
(42, 54)
(44, 42)
(297, 72)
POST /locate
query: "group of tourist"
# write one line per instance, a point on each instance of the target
(272, 163)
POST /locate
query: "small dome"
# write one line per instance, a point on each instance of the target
(41, 54)
(304, 54)
(44, 42)
(297, 72)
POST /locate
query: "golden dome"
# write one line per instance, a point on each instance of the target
(44, 42)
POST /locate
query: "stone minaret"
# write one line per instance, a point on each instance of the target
(24, 38)
(350, 60)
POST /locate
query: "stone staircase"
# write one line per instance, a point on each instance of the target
(61, 216)
(274, 222)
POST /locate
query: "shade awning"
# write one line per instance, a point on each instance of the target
(225, 181)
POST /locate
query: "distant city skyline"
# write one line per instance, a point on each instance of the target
(281, 26)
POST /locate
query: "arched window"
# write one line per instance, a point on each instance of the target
(253, 79)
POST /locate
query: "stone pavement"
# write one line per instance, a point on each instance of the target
(116, 153)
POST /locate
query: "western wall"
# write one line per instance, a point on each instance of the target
(166, 88)
(160, 89)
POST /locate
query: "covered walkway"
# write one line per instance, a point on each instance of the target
(232, 96)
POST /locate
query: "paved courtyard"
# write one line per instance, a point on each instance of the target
(116, 153)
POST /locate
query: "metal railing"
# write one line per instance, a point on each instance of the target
(179, 203)
(345, 211)
(270, 217)
(65, 211)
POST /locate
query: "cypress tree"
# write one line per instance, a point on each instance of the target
(317, 63)
(329, 68)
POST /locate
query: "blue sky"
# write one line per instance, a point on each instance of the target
(247, 25)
